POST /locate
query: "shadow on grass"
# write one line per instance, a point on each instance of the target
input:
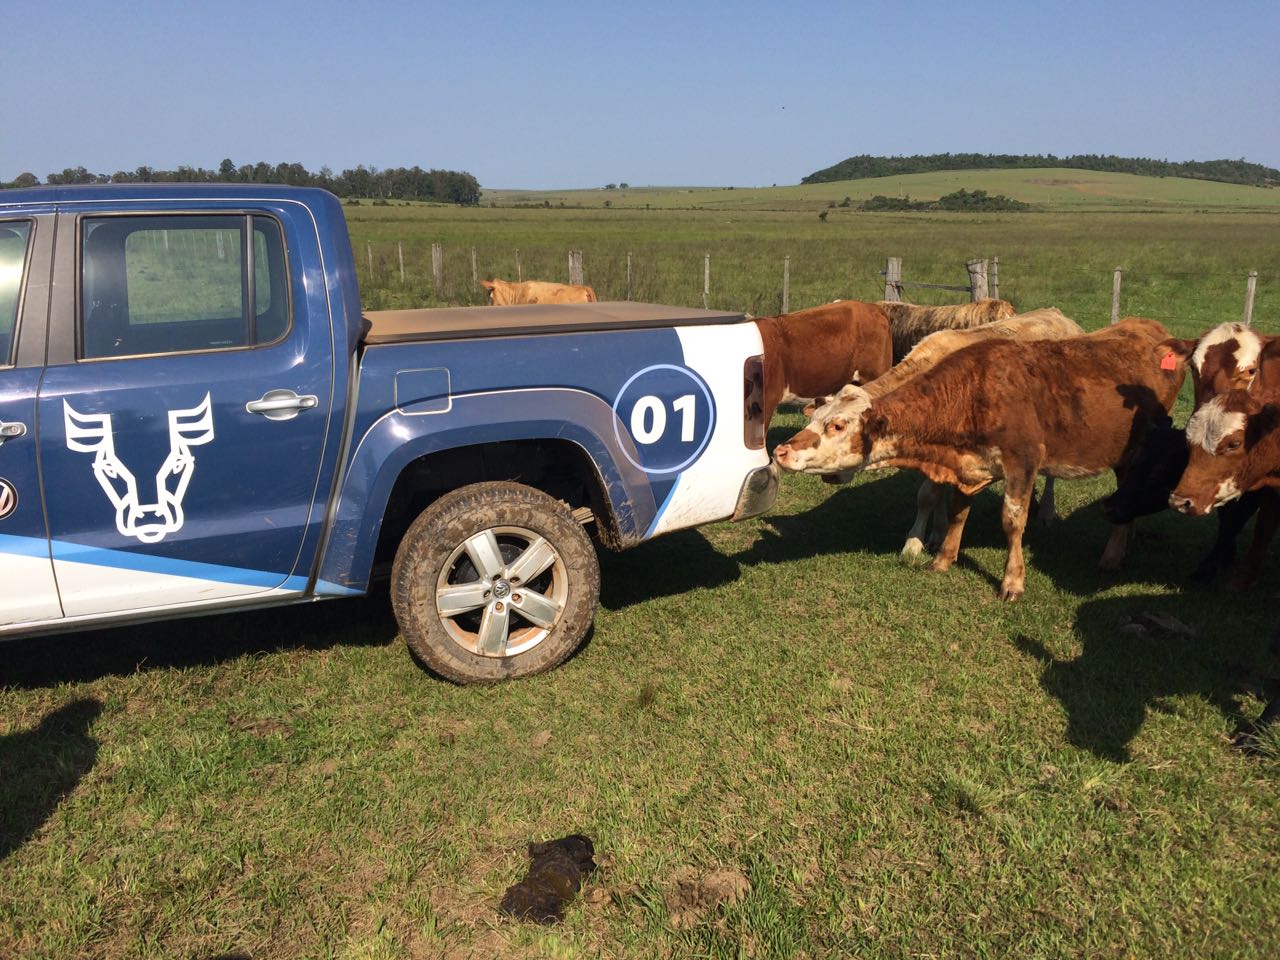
(39, 767)
(671, 564)
(203, 641)
(1118, 676)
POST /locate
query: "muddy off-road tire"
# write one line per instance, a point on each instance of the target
(494, 581)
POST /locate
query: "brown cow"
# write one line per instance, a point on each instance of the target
(503, 293)
(1047, 323)
(1003, 409)
(911, 322)
(817, 351)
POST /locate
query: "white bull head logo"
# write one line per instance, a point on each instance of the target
(148, 522)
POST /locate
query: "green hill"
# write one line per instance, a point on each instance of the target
(1222, 171)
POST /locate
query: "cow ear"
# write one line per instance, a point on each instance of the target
(1270, 350)
(1182, 349)
(875, 425)
(487, 284)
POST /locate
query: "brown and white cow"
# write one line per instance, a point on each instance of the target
(504, 293)
(1233, 444)
(912, 322)
(814, 352)
(1003, 409)
(1230, 356)
(1046, 323)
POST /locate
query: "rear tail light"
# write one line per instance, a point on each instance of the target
(753, 425)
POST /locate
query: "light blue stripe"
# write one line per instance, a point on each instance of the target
(191, 569)
(663, 509)
(24, 546)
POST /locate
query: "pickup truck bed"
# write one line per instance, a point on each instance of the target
(449, 323)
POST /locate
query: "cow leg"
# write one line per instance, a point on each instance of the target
(1048, 510)
(927, 498)
(1122, 535)
(941, 517)
(1264, 529)
(1231, 520)
(950, 549)
(1019, 485)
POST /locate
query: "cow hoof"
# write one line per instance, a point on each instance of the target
(940, 565)
(1010, 594)
(1109, 563)
(912, 549)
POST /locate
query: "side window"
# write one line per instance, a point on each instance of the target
(13, 260)
(175, 284)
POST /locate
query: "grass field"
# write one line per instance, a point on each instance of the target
(898, 765)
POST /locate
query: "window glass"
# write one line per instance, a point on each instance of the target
(171, 284)
(13, 257)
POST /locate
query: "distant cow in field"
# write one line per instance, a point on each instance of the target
(1047, 323)
(911, 322)
(504, 293)
(817, 351)
(1003, 409)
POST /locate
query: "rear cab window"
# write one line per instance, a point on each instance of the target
(181, 283)
(14, 243)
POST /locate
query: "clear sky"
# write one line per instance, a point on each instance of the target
(524, 94)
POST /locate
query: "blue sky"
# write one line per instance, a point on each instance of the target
(578, 95)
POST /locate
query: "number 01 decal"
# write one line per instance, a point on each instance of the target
(670, 415)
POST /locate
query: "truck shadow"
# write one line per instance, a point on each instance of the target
(1118, 676)
(669, 565)
(40, 766)
(35, 662)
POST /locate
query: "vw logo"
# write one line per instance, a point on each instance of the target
(8, 498)
(501, 588)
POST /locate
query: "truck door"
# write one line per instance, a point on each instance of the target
(27, 590)
(183, 424)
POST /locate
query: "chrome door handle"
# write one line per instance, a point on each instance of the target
(281, 404)
(12, 431)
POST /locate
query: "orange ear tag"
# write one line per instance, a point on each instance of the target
(1170, 362)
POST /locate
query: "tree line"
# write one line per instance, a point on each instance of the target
(961, 200)
(394, 183)
(1225, 171)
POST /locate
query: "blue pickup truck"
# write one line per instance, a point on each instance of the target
(196, 416)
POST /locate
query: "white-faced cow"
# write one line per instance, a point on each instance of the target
(1047, 323)
(1003, 409)
(505, 293)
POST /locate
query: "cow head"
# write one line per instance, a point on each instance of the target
(499, 292)
(1156, 468)
(147, 522)
(1232, 447)
(836, 438)
(1228, 357)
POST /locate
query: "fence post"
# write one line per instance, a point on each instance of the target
(995, 277)
(400, 247)
(977, 280)
(786, 284)
(437, 266)
(575, 267)
(369, 246)
(519, 269)
(706, 281)
(475, 276)
(1249, 289)
(893, 278)
(1115, 296)
(628, 274)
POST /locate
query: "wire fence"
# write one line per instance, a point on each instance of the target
(761, 280)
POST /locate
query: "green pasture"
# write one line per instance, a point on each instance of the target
(899, 765)
(1049, 188)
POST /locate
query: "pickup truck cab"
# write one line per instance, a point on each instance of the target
(196, 416)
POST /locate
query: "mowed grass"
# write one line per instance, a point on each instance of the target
(899, 765)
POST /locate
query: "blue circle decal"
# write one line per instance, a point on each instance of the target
(668, 415)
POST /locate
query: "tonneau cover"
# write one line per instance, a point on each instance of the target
(450, 323)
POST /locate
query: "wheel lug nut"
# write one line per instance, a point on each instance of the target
(498, 607)
(515, 598)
